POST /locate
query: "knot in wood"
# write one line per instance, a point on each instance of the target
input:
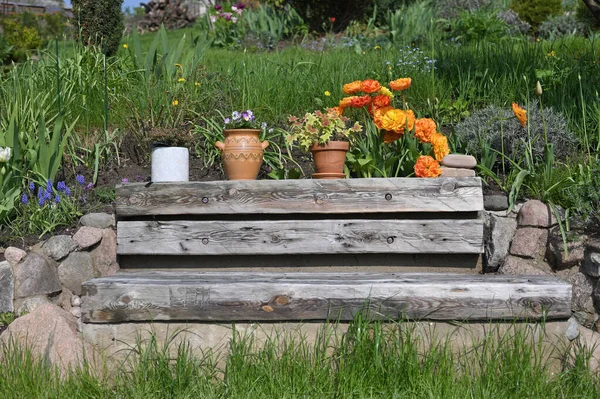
(448, 187)
(275, 239)
(281, 300)
(134, 199)
(320, 198)
(267, 308)
(232, 192)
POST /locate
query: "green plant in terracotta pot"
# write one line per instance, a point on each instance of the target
(327, 135)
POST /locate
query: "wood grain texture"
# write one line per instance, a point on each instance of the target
(301, 196)
(312, 296)
(299, 237)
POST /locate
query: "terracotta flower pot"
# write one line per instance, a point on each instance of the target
(242, 153)
(329, 159)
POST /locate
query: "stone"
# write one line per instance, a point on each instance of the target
(498, 232)
(28, 305)
(76, 311)
(572, 331)
(596, 296)
(65, 298)
(7, 287)
(76, 269)
(75, 300)
(98, 220)
(555, 252)
(58, 247)
(593, 245)
(495, 202)
(591, 263)
(35, 276)
(529, 242)
(459, 161)
(104, 255)
(518, 266)
(583, 287)
(534, 213)
(588, 320)
(50, 333)
(14, 255)
(454, 172)
(87, 236)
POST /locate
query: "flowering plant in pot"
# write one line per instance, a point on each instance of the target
(397, 143)
(242, 149)
(327, 135)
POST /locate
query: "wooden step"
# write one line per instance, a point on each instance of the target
(242, 296)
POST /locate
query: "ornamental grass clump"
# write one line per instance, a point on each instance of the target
(320, 127)
(394, 147)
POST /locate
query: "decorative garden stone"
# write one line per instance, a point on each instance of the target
(14, 255)
(7, 287)
(35, 276)
(98, 220)
(28, 305)
(498, 233)
(534, 213)
(459, 161)
(104, 256)
(495, 202)
(529, 242)
(572, 331)
(87, 236)
(456, 172)
(591, 264)
(76, 269)
(555, 252)
(58, 247)
(583, 286)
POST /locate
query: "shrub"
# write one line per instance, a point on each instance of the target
(99, 23)
(498, 128)
(317, 13)
(536, 11)
(22, 38)
(515, 24)
(449, 9)
(478, 25)
(562, 25)
(585, 16)
(587, 198)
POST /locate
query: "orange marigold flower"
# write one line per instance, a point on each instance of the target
(346, 102)
(380, 101)
(520, 113)
(352, 88)
(400, 84)
(440, 145)
(370, 86)
(425, 128)
(359, 102)
(426, 166)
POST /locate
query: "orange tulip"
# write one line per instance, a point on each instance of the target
(400, 84)
(440, 146)
(520, 113)
(380, 101)
(370, 86)
(426, 166)
(352, 88)
(425, 128)
(359, 102)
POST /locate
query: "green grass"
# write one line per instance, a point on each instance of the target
(370, 360)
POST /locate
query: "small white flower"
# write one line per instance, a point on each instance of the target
(5, 154)
(234, 8)
(236, 116)
(263, 125)
(234, 19)
(213, 18)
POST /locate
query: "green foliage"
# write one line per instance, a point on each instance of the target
(535, 12)
(20, 37)
(55, 25)
(498, 128)
(449, 9)
(269, 25)
(478, 25)
(412, 23)
(104, 32)
(585, 16)
(586, 195)
(317, 13)
(6, 318)
(561, 25)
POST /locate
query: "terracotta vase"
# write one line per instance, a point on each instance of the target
(329, 159)
(242, 153)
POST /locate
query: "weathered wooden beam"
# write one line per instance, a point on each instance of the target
(301, 196)
(313, 296)
(276, 237)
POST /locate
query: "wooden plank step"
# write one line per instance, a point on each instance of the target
(301, 196)
(299, 237)
(240, 296)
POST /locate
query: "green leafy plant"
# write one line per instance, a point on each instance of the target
(105, 33)
(536, 11)
(6, 318)
(320, 127)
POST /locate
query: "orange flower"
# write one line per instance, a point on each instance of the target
(520, 113)
(425, 128)
(378, 114)
(410, 119)
(352, 88)
(440, 145)
(370, 86)
(394, 119)
(337, 110)
(426, 166)
(390, 136)
(380, 101)
(359, 102)
(346, 102)
(400, 84)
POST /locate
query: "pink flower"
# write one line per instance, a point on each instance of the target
(213, 18)
(234, 19)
